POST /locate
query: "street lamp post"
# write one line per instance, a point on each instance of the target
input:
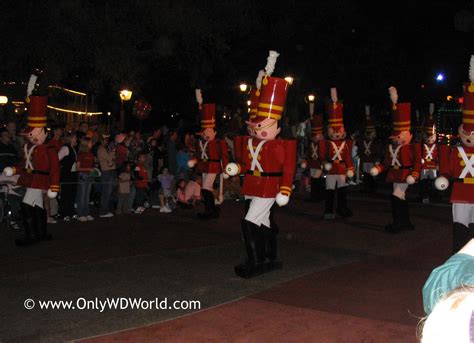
(125, 95)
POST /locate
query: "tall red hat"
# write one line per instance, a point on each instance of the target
(208, 116)
(468, 107)
(316, 125)
(37, 109)
(401, 114)
(253, 98)
(272, 98)
(429, 125)
(335, 111)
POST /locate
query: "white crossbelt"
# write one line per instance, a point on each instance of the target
(203, 150)
(338, 151)
(469, 162)
(28, 153)
(314, 151)
(394, 155)
(367, 151)
(254, 154)
(429, 152)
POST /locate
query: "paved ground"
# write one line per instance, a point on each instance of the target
(342, 280)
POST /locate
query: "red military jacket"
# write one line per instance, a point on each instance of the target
(211, 156)
(314, 151)
(271, 171)
(40, 167)
(429, 156)
(454, 167)
(339, 154)
(401, 161)
(370, 151)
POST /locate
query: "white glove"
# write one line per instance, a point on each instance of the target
(410, 180)
(304, 165)
(232, 169)
(282, 199)
(441, 183)
(191, 163)
(225, 176)
(350, 174)
(52, 194)
(8, 171)
(374, 171)
(327, 166)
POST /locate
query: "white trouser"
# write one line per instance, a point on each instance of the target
(208, 181)
(399, 190)
(335, 181)
(366, 166)
(259, 210)
(315, 173)
(463, 213)
(34, 197)
(428, 174)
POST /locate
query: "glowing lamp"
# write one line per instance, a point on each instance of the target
(125, 95)
(289, 79)
(243, 87)
(449, 98)
(440, 77)
(311, 98)
(3, 100)
(248, 102)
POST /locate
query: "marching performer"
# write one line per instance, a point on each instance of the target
(402, 160)
(39, 172)
(211, 156)
(457, 166)
(313, 161)
(269, 165)
(370, 152)
(429, 157)
(337, 154)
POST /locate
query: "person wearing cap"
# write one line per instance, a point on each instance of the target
(313, 161)
(337, 157)
(39, 172)
(370, 151)
(269, 165)
(403, 163)
(210, 157)
(429, 157)
(457, 166)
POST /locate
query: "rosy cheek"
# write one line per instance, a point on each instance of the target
(264, 133)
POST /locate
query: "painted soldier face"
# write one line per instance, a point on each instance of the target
(370, 134)
(336, 134)
(429, 139)
(467, 138)
(209, 134)
(317, 138)
(267, 129)
(37, 136)
(403, 137)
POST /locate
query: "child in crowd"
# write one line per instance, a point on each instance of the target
(124, 189)
(84, 167)
(181, 195)
(141, 183)
(190, 193)
(166, 181)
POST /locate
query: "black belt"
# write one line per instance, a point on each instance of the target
(206, 160)
(33, 171)
(400, 167)
(259, 173)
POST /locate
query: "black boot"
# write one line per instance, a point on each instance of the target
(329, 204)
(425, 191)
(394, 227)
(28, 215)
(342, 208)
(315, 190)
(42, 224)
(366, 183)
(461, 235)
(254, 241)
(207, 198)
(405, 222)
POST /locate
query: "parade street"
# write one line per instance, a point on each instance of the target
(342, 281)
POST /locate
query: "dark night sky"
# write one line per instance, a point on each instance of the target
(164, 49)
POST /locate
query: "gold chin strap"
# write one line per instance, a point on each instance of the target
(264, 127)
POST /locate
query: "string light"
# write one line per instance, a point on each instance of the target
(71, 111)
(68, 90)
